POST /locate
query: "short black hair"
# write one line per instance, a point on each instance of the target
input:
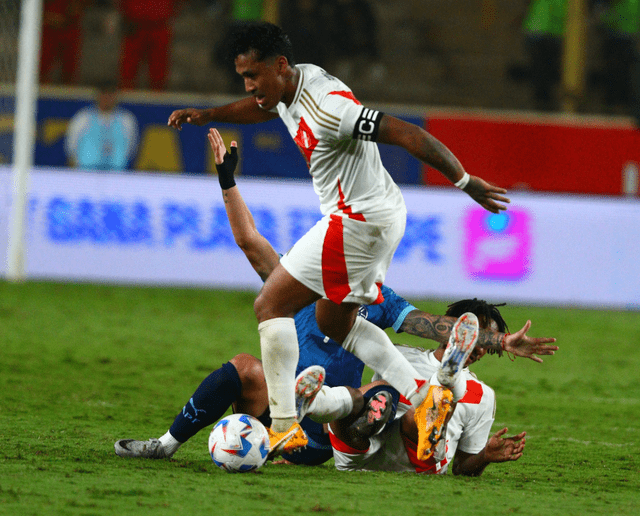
(481, 309)
(266, 39)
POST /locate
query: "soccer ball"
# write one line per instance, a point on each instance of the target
(239, 443)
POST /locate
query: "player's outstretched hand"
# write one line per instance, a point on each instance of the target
(226, 162)
(503, 449)
(188, 115)
(521, 345)
(488, 196)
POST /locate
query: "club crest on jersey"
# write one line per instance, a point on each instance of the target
(305, 140)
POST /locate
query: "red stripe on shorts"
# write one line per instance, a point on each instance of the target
(380, 298)
(429, 466)
(343, 447)
(335, 279)
(343, 207)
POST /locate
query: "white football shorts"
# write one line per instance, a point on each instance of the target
(388, 451)
(344, 259)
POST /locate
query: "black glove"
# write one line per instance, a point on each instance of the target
(227, 168)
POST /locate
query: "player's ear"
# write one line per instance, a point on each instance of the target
(282, 63)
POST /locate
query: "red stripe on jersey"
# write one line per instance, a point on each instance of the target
(347, 209)
(343, 447)
(474, 393)
(335, 278)
(419, 384)
(346, 95)
(429, 466)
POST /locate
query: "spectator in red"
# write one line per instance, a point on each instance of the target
(147, 33)
(61, 37)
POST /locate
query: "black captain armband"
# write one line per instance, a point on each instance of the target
(227, 168)
(367, 125)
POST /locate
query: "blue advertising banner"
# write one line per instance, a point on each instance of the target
(169, 229)
(267, 150)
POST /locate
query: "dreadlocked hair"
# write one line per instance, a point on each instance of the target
(483, 310)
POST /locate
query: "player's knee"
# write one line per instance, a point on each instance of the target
(249, 368)
(260, 308)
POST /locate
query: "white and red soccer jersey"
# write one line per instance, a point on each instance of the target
(468, 429)
(335, 132)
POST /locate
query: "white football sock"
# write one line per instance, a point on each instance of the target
(169, 443)
(459, 387)
(279, 345)
(330, 403)
(374, 347)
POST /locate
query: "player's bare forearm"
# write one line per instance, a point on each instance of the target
(420, 144)
(431, 151)
(469, 465)
(245, 111)
(261, 255)
(438, 328)
(497, 449)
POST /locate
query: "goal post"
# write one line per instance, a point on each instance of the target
(24, 132)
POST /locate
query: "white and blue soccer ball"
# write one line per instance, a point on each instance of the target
(239, 443)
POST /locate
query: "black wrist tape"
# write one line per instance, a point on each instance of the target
(227, 168)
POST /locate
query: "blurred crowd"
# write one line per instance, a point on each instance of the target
(346, 38)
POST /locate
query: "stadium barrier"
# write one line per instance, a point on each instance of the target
(569, 154)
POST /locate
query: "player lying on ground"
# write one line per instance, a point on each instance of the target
(467, 445)
(240, 383)
(341, 262)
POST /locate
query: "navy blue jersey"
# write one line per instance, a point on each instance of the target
(343, 368)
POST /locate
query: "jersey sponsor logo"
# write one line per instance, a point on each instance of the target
(305, 140)
(367, 125)
(363, 312)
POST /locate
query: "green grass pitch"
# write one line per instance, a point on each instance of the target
(84, 365)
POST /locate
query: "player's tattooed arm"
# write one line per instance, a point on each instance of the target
(428, 149)
(438, 328)
(428, 326)
(420, 144)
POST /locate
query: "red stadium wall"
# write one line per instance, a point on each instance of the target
(553, 155)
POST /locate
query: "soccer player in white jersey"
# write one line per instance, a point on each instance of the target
(467, 446)
(343, 259)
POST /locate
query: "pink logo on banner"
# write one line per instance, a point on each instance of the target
(497, 246)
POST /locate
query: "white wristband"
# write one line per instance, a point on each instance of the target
(464, 181)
